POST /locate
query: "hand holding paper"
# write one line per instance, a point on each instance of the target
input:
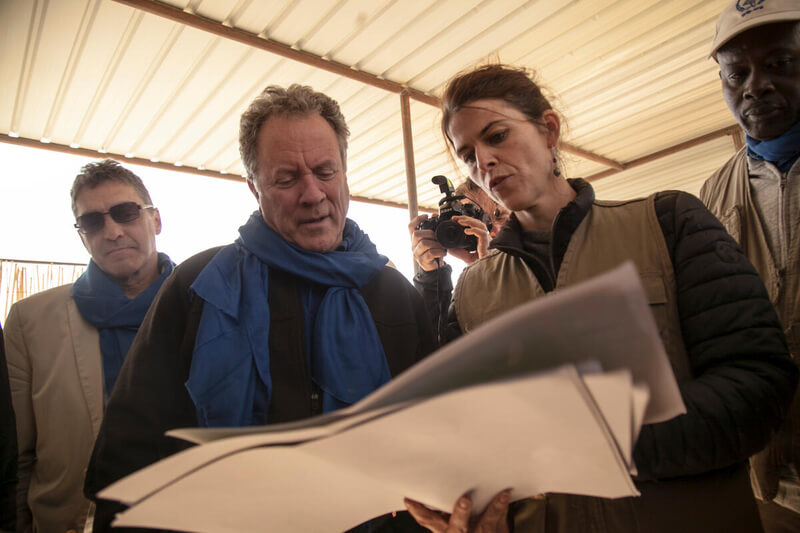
(492, 519)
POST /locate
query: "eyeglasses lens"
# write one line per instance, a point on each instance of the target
(120, 213)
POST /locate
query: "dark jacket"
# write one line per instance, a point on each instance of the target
(150, 397)
(8, 449)
(742, 381)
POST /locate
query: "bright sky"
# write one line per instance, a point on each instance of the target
(197, 212)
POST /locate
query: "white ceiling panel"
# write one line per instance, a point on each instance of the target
(164, 82)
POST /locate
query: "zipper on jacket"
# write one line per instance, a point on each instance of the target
(316, 400)
(782, 223)
(783, 241)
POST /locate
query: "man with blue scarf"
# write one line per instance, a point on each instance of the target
(65, 346)
(299, 316)
(756, 195)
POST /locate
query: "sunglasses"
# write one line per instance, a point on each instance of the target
(123, 213)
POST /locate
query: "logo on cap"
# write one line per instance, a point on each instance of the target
(748, 6)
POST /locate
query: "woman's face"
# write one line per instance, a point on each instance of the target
(510, 157)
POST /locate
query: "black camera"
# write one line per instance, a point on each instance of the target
(450, 233)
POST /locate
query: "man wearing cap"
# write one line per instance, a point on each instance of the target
(756, 195)
(65, 346)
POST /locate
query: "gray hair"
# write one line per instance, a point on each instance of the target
(297, 100)
(98, 172)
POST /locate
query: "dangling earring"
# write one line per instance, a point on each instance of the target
(556, 170)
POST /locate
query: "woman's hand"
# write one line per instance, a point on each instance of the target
(476, 228)
(425, 247)
(493, 519)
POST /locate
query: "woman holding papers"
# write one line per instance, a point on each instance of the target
(722, 336)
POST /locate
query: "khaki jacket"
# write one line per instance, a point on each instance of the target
(55, 374)
(610, 234)
(727, 195)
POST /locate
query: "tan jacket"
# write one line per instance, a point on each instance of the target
(611, 233)
(55, 374)
(727, 194)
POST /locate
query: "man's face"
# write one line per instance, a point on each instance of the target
(760, 73)
(123, 251)
(301, 185)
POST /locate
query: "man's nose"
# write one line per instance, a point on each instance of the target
(312, 192)
(758, 84)
(112, 230)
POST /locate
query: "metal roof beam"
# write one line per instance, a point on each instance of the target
(196, 21)
(216, 28)
(591, 156)
(94, 154)
(408, 149)
(733, 131)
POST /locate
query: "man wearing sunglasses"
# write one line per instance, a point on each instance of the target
(65, 346)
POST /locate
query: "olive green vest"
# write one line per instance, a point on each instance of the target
(610, 234)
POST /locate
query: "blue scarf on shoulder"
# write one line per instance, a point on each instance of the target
(103, 304)
(230, 363)
(781, 151)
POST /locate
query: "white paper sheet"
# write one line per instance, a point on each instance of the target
(144, 482)
(606, 319)
(536, 434)
(613, 392)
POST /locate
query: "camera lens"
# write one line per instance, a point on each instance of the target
(451, 234)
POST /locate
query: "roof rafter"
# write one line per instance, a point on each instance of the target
(196, 21)
(94, 154)
(734, 131)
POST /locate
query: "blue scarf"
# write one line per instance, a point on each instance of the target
(103, 304)
(230, 363)
(781, 151)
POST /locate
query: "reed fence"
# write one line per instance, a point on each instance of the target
(20, 279)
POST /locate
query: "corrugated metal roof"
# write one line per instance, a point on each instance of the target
(631, 76)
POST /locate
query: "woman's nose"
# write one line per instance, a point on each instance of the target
(485, 158)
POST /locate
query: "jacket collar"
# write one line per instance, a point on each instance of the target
(564, 225)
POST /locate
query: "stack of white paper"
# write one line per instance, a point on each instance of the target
(547, 398)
